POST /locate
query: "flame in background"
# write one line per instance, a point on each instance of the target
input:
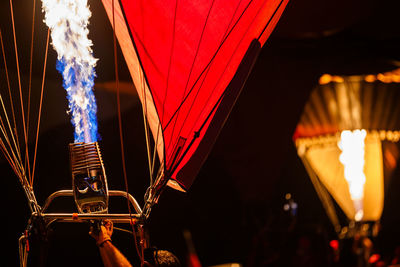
(352, 144)
(68, 21)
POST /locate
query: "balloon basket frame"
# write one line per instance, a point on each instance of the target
(83, 217)
(41, 220)
(361, 228)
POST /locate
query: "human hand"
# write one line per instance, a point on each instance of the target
(104, 234)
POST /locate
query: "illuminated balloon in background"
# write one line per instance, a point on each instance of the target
(346, 138)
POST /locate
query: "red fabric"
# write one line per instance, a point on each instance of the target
(193, 261)
(189, 51)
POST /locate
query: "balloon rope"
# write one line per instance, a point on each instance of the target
(144, 112)
(146, 128)
(17, 160)
(12, 162)
(23, 250)
(155, 152)
(118, 102)
(15, 141)
(120, 128)
(9, 159)
(10, 95)
(30, 69)
(40, 106)
(20, 88)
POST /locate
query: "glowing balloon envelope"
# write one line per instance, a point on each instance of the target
(188, 62)
(346, 138)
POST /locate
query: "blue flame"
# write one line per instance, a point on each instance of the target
(78, 78)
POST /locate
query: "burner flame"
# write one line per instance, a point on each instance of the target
(68, 21)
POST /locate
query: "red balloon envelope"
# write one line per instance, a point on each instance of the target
(188, 61)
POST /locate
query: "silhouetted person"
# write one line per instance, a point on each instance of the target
(159, 257)
(112, 257)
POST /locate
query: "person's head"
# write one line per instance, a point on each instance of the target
(160, 258)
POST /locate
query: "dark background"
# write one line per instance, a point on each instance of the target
(238, 195)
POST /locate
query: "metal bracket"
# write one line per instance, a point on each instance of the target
(81, 217)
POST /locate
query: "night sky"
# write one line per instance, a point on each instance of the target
(238, 196)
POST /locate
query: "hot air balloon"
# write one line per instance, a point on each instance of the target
(347, 140)
(188, 62)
